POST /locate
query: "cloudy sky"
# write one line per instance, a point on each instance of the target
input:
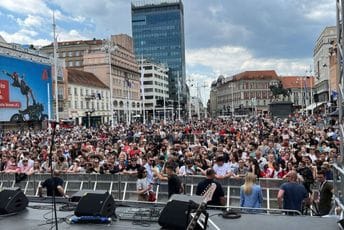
(222, 36)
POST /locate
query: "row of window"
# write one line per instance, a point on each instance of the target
(71, 54)
(87, 92)
(90, 105)
(73, 63)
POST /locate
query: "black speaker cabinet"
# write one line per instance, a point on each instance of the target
(95, 204)
(175, 214)
(12, 200)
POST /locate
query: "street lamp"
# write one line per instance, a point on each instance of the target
(300, 79)
(108, 48)
(178, 96)
(232, 101)
(190, 81)
(311, 87)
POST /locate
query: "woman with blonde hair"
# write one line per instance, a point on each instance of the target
(251, 193)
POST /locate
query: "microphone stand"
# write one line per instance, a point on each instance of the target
(53, 124)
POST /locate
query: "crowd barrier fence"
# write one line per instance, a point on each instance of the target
(123, 187)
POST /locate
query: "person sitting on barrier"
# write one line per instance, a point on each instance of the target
(53, 185)
(149, 165)
(250, 193)
(219, 195)
(143, 187)
(292, 195)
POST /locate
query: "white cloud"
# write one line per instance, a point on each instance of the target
(24, 37)
(79, 19)
(31, 21)
(320, 11)
(229, 60)
(25, 6)
(70, 35)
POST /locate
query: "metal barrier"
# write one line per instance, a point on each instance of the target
(123, 187)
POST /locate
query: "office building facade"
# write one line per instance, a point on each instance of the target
(155, 85)
(322, 53)
(158, 34)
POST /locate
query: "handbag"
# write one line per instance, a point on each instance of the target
(151, 196)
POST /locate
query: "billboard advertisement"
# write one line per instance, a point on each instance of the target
(24, 90)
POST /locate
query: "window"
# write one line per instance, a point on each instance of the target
(75, 92)
(60, 93)
(60, 107)
(81, 105)
(75, 104)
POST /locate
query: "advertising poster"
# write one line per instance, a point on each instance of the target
(23, 90)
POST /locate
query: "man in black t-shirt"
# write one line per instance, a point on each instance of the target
(132, 167)
(54, 184)
(174, 183)
(218, 196)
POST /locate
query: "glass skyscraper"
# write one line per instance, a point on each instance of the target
(158, 34)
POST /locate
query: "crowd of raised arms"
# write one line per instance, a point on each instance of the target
(268, 148)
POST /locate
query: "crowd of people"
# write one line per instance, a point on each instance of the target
(258, 146)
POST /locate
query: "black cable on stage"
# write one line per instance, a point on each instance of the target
(53, 124)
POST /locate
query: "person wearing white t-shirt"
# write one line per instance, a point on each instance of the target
(222, 169)
(188, 169)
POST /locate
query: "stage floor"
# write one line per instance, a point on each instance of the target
(36, 219)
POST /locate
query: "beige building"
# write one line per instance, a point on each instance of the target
(72, 52)
(322, 53)
(90, 56)
(242, 93)
(87, 98)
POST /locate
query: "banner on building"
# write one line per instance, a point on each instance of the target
(23, 90)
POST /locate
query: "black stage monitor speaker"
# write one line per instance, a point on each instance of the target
(175, 214)
(79, 194)
(12, 200)
(95, 204)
